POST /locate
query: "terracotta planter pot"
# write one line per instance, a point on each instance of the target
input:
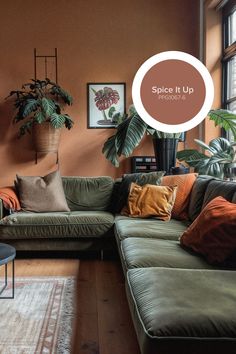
(46, 138)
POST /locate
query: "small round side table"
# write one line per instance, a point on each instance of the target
(7, 255)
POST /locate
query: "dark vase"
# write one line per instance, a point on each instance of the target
(165, 153)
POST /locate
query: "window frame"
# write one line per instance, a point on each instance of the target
(229, 52)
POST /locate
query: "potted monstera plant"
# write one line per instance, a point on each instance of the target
(39, 108)
(218, 159)
(132, 130)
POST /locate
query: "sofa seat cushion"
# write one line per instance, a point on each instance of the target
(142, 252)
(173, 308)
(56, 225)
(151, 228)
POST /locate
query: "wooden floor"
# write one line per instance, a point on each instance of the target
(44, 267)
(103, 324)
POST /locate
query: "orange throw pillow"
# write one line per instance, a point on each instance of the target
(213, 232)
(185, 185)
(150, 200)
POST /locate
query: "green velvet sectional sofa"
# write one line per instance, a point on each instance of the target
(179, 303)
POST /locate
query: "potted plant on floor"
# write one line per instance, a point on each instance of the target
(129, 134)
(40, 104)
(132, 130)
(220, 157)
(218, 161)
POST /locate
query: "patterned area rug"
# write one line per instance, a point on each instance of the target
(39, 319)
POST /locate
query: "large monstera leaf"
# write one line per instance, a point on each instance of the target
(219, 152)
(127, 137)
(225, 119)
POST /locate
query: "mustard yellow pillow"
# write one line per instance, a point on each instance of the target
(149, 200)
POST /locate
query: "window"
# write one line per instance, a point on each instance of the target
(232, 28)
(229, 60)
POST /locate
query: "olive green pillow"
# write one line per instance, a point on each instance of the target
(41, 194)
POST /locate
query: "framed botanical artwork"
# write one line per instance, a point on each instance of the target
(106, 104)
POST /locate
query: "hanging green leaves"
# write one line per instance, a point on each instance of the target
(39, 101)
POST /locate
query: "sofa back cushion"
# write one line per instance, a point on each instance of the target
(220, 188)
(88, 193)
(197, 196)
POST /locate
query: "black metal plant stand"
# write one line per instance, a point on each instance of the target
(44, 61)
(41, 64)
(7, 255)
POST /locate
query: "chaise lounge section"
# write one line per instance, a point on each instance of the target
(183, 310)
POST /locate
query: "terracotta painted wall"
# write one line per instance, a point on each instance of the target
(97, 41)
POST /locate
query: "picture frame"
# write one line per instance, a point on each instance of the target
(106, 102)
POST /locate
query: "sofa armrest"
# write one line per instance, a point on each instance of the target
(3, 211)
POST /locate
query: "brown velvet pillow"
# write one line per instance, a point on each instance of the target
(185, 185)
(213, 232)
(149, 200)
(41, 194)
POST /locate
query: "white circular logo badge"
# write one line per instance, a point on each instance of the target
(173, 92)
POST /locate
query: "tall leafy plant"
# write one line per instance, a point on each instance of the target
(128, 136)
(41, 101)
(132, 130)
